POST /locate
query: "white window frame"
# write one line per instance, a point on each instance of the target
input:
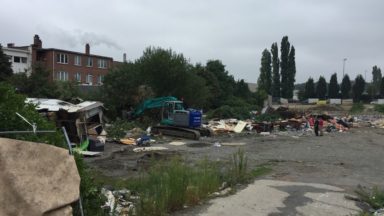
(62, 75)
(102, 63)
(18, 57)
(100, 79)
(24, 60)
(89, 62)
(78, 77)
(89, 79)
(77, 60)
(62, 58)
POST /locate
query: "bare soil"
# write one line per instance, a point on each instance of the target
(339, 159)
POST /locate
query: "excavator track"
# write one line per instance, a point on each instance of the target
(176, 131)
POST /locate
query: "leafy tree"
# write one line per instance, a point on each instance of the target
(376, 79)
(226, 82)
(345, 87)
(120, 89)
(265, 79)
(242, 89)
(12, 102)
(382, 87)
(66, 90)
(5, 66)
(39, 84)
(358, 88)
(309, 91)
(275, 71)
(212, 84)
(284, 67)
(321, 88)
(169, 73)
(291, 72)
(333, 91)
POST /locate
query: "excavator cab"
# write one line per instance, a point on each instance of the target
(169, 109)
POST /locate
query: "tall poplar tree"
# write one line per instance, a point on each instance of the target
(309, 91)
(275, 70)
(358, 88)
(333, 90)
(345, 87)
(284, 48)
(376, 79)
(265, 79)
(291, 72)
(321, 88)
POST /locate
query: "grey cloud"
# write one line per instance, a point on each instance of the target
(236, 32)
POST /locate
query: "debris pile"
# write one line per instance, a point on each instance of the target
(283, 121)
(119, 202)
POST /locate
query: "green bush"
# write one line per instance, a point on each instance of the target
(373, 197)
(119, 128)
(226, 111)
(379, 108)
(357, 108)
(10, 103)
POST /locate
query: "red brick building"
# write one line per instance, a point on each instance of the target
(65, 65)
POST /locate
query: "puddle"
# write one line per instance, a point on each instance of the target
(199, 145)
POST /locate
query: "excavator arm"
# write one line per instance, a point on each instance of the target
(151, 104)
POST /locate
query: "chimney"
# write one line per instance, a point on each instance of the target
(87, 49)
(125, 57)
(37, 42)
(10, 45)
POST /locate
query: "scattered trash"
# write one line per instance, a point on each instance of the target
(265, 133)
(233, 144)
(128, 141)
(145, 149)
(239, 127)
(379, 212)
(217, 144)
(177, 143)
(119, 202)
(143, 140)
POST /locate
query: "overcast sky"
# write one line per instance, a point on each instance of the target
(235, 32)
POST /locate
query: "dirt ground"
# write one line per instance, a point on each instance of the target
(341, 159)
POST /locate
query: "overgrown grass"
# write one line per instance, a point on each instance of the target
(170, 185)
(119, 128)
(357, 108)
(238, 172)
(373, 197)
(379, 108)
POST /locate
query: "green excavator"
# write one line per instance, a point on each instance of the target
(175, 119)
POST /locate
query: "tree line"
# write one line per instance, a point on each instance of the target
(277, 75)
(163, 72)
(347, 89)
(157, 73)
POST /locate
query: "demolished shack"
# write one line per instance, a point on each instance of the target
(83, 122)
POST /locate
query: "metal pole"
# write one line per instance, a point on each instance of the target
(21, 132)
(71, 153)
(345, 59)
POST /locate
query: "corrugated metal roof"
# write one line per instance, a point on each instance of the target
(54, 105)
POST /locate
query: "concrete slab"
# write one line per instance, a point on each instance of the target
(282, 198)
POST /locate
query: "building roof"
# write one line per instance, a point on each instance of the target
(73, 52)
(54, 105)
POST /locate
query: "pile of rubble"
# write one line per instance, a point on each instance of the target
(292, 121)
(119, 202)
